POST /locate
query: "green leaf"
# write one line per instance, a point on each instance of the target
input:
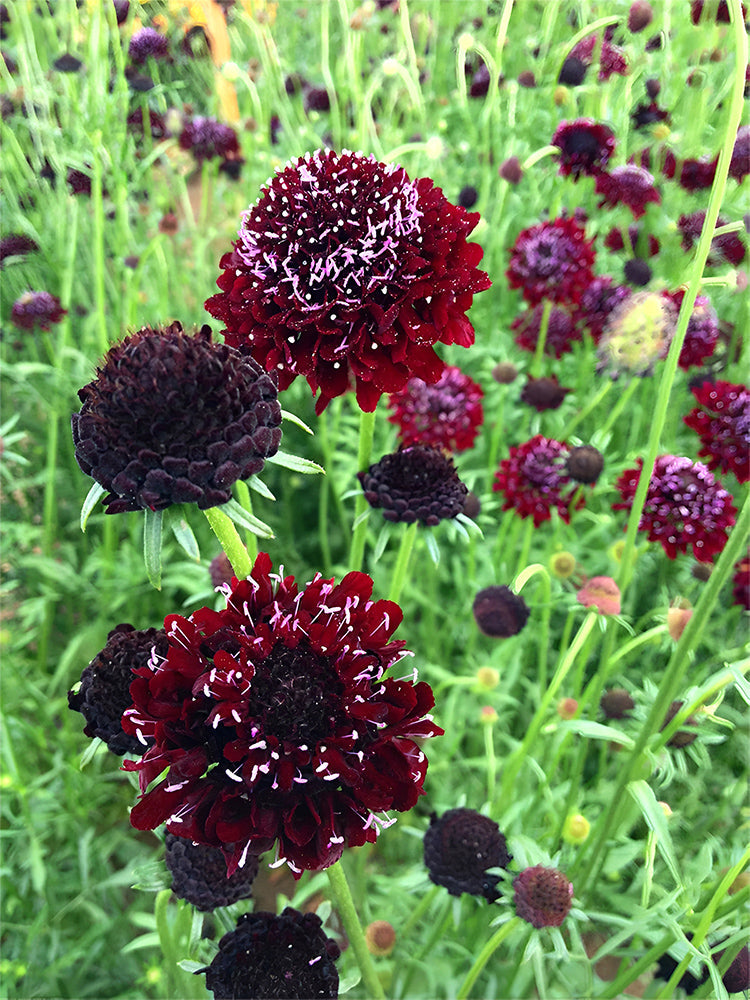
(189, 966)
(432, 546)
(295, 463)
(260, 487)
(150, 940)
(245, 520)
(185, 537)
(152, 523)
(293, 418)
(381, 543)
(655, 819)
(469, 524)
(93, 497)
(596, 731)
(89, 753)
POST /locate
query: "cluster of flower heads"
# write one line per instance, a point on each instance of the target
(722, 421)
(445, 415)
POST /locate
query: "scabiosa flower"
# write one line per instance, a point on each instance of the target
(534, 481)
(157, 124)
(685, 507)
(543, 896)
(585, 147)
(499, 612)
(275, 724)
(207, 138)
(722, 421)
(596, 304)
(616, 703)
(544, 393)
(16, 245)
(585, 464)
(637, 334)
(288, 956)
(37, 309)
(446, 415)
(551, 260)
(460, 847)
(104, 693)
(628, 185)
(562, 332)
(702, 332)
(649, 113)
(739, 164)
(695, 175)
(741, 582)
(199, 874)
(602, 593)
(174, 418)
(147, 43)
(346, 272)
(614, 240)
(725, 249)
(418, 483)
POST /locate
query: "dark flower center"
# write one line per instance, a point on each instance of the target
(581, 142)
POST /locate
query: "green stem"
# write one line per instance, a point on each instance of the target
(342, 900)
(402, 561)
(224, 529)
(489, 749)
(541, 341)
(617, 409)
(536, 569)
(364, 453)
(588, 408)
(485, 955)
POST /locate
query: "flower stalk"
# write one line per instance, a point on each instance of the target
(341, 897)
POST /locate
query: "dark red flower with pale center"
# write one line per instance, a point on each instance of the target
(34, 309)
(685, 507)
(446, 415)
(627, 185)
(147, 43)
(276, 725)
(585, 147)
(725, 249)
(534, 480)
(551, 260)
(702, 332)
(207, 138)
(348, 273)
(543, 896)
(562, 332)
(722, 421)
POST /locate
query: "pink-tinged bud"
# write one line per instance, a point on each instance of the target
(510, 170)
(678, 616)
(380, 938)
(602, 593)
(640, 15)
(567, 708)
(488, 716)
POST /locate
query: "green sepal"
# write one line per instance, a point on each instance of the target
(293, 418)
(260, 487)
(296, 464)
(152, 524)
(249, 522)
(93, 497)
(185, 537)
(432, 546)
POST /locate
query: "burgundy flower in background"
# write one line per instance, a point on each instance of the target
(347, 273)
(199, 874)
(551, 260)
(16, 245)
(156, 124)
(286, 956)
(543, 896)
(722, 421)
(739, 164)
(562, 331)
(685, 507)
(611, 58)
(721, 15)
(446, 415)
(415, 483)
(534, 481)
(649, 113)
(145, 43)
(585, 147)
(741, 582)
(615, 241)
(702, 333)
(544, 393)
(725, 249)
(276, 725)
(627, 185)
(37, 309)
(695, 175)
(460, 847)
(596, 304)
(207, 138)
(499, 612)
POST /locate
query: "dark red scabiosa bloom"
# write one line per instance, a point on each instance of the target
(199, 874)
(104, 693)
(499, 612)
(722, 421)
(739, 164)
(585, 147)
(627, 185)
(36, 309)
(213, 419)
(725, 249)
(544, 393)
(649, 113)
(612, 59)
(207, 138)
(640, 15)
(346, 272)
(16, 245)
(551, 260)
(596, 304)
(156, 124)
(533, 480)
(685, 507)
(562, 331)
(446, 415)
(316, 99)
(543, 896)
(741, 582)
(460, 847)
(276, 724)
(695, 175)
(287, 957)
(418, 483)
(702, 333)
(614, 240)
(585, 464)
(147, 43)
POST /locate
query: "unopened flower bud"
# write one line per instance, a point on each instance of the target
(505, 372)
(563, 565)
(575, 829)
(640, 15)
(602, 593)
(488, 678)
(678, 616)
(488, 716)
(567, 708)
(380, 938)
(510, 170)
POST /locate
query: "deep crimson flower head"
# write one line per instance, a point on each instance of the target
(145, 43)
(551, 260)
(741, 582)
(348, 273)
(585, 147)
(207, 138)
(36, 309)
(446, 415)
(722, 421)
(739, 165)
(725, 249)
(460, 847)
(614, 240)
(499, 612)
(16, 245)
(628, 185)
(104, 692)
(417, 483)
(533, 480)
(562, 332)
(276, 725)
(543, 896)
(544, 393)
(702, 333)
(288, 957)
(597, 302)
(611, 58)
(199, 874)
(695, 175)
(213, 419)
(685, 507)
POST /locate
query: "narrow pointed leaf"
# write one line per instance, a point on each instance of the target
(293, 418)
(245, 520)
(296, 464)
(185, 537)
(432, 546)
(152, 524)
(93, 497)
(260, 487)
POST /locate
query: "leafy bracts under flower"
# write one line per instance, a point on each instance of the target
(276, 724)
(347, 273)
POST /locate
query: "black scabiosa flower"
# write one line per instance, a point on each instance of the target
(36, 309)
(275, 723)
(446, 415)
(418, 483)
(551, 260)
(627, 185)
(347, 273)
(147, 43)
(288, 957)
(725, 249)
(16, 245)
(543, 896)
(722, 421)
(460, 847)
(544, 393)
(207, 138)
(174, 418)
(585, 147)
(585, 464)
(616, 703)
(562, 331)
(499, 612)
(739, 164)
(104, 693)
(199, 874)
(533, 480)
